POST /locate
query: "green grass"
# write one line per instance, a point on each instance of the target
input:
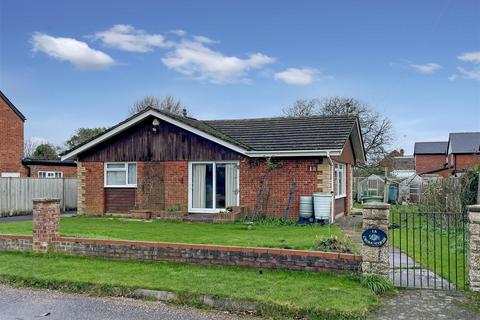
(278, 292)
(270, 235)
(445, 252)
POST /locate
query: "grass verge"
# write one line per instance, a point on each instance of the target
(278, 293)
(263, 234)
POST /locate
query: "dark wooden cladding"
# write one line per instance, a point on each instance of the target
(140, 143)
(119, 199)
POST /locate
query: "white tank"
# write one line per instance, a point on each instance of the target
(322, 205)
(306, 207)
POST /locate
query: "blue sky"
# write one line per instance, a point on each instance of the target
(77, 64)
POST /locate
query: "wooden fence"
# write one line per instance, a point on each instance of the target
(16, 194)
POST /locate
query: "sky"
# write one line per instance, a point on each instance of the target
(71, 64)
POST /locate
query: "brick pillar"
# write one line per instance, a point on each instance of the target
(474, 247)
(81, 171)
(376, 259)
(46, 223)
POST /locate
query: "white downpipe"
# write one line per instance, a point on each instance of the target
(332, 191)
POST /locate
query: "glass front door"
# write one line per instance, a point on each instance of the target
(213, 186)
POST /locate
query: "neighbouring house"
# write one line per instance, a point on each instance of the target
(399, 164)
(37, 168)
(161, 162)
(12, 163)
(460, 152)
(11, 139)
(463, 150)
(430, 157)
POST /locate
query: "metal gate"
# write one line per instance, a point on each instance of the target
(428, 249)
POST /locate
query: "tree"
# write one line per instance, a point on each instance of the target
(30, 145)
(45, 151)
(81, 135)
(169, 103)
(376, 128)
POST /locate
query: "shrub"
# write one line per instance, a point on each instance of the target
(377, 284)
(333, 244)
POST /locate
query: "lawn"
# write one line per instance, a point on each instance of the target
(289, 293)
(441, 247)
(263, 234)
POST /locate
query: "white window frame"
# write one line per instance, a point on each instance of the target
(340, 174)
(190, 186)
(125, 168)
(50, 174)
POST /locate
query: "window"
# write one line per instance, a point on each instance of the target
(50, 174)
(340, 180)
(121, 174)
(213, 186)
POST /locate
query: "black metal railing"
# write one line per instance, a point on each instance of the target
(428, 249)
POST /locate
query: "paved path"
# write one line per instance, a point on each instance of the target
(30, 304)
(424, 304)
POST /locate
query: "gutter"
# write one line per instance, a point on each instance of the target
(332, 191)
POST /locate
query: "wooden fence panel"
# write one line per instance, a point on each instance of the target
(16, 194)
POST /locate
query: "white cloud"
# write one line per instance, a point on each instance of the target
(194, 59)
(178, 32)
(67, 49)
(203, 39)
(453, 77)
(426, 68)
(473, 74)
(470, 57)
(298, 77)
(126, 37)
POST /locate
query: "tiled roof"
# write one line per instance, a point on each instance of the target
(281, 133)
(439, 147)
(464, 142)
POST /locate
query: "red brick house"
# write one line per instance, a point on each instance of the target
(12, 163)
(11, 139)
(159, 161)
(460, 152)
(430, 157)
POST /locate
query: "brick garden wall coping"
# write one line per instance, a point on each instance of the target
(194, 253)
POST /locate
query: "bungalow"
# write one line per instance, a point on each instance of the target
(160, 162)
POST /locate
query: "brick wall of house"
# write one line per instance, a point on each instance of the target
(268, 191)
(465, 161)
(91, 193)
(69, 172)
(162, 185)
(428, 162)
(11, 140)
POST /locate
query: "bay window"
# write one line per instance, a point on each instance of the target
(340, 180)
(213, 186)
(121, 174)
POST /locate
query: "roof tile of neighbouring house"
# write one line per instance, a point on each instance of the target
(439, 147)
(10, 104)
(464, 142)
(282, 133)
(404, 163)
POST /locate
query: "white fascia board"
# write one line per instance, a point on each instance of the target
(294, 153)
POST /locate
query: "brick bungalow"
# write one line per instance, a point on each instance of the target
(160, 162)
(12, 164)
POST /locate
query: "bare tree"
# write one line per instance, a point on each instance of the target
(30, 145)
(168, 103)
(302, 108)
(376, 128)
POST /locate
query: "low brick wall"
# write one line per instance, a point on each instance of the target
(194, 254)
(15, 243)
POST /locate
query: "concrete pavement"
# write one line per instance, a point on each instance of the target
(26, 304)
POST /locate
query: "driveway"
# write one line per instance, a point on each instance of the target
(26, 304)
(29, 217)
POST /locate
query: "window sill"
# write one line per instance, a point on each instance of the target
(124, 186)
(341, 196)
